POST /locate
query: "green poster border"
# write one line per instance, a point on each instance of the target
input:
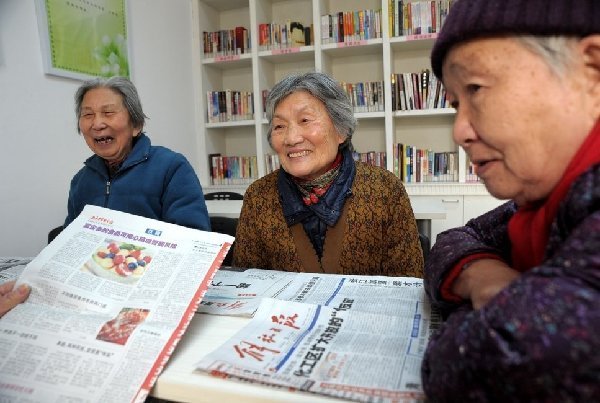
(113, 50)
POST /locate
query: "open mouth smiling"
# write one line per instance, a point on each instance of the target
(299, 154)
(104, 140)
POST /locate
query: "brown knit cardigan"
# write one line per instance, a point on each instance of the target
(378, 233)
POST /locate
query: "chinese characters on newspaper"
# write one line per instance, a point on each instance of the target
(354, 337)
(111, 297)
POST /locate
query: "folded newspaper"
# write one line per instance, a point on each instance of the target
(111, 297)
(354, 337)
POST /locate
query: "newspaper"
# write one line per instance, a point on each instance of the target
(234, 292)
(12, 267)
(239, 293)
(353, 337)
(111, 297)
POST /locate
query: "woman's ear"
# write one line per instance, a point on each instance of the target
(590, 51)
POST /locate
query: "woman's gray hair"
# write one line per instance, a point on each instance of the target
(324, 88)
(556, 51)
(120, 85)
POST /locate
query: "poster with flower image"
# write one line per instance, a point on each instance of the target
(82, 39)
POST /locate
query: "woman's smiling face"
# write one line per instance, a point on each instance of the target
(519, 121)
(303, 136)
(106, 125)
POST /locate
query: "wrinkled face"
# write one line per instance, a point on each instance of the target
(303, 136)
(519, 122)
(105, 124)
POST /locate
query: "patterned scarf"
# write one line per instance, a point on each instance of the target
(313, 190)
(316, 218)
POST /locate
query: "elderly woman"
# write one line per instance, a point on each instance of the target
(521, 284)
(126, 172)
(322, 212)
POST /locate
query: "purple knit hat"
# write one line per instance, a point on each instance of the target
(469, 19)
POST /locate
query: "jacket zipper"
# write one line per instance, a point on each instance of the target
(107, 193)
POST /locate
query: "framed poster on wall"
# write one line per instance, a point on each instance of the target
(82, 39)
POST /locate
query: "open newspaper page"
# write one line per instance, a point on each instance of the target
(12, 267)
(238, 293)
(346, 349)
(111, 297)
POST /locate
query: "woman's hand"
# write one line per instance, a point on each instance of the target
(11, 297)
(482, 280)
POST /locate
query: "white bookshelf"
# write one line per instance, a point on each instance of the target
(368, 60)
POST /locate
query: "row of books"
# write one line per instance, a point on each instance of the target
(232, 170)
(412, 164)
(409, 91)
(422, 90)
(365, 97)
(291, 34)
(375, 158)
(350, 26)
(405, 18)
(417, 17)
(228, 106)
(272, 162)
(226, 42)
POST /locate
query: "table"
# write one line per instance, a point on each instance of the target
(205, 333)
(423, 213)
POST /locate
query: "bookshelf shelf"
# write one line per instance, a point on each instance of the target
(235, 123)
(413, 42)
(424, 112)
(229, 61)
(288, 54)
(369, 115)
(365, 46)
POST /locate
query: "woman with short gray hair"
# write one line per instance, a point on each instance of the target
(126, 172)
(322, 211)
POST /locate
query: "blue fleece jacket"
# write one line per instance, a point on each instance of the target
(153, 182)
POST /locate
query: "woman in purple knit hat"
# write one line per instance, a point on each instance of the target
(520, 285)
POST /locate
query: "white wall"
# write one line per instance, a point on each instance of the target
(40, 149)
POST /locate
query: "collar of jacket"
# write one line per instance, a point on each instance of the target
(139, 152)
(329, 208)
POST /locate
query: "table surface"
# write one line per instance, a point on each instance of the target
(205, 333)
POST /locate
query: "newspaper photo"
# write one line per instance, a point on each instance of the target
(110, 298)
(347, 349)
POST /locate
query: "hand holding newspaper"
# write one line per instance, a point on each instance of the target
(111, 297)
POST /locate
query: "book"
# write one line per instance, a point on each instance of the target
(240, 40)
(297, 34)
(308, 36)
(213, 163)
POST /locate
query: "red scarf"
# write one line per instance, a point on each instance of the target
(529, 228)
